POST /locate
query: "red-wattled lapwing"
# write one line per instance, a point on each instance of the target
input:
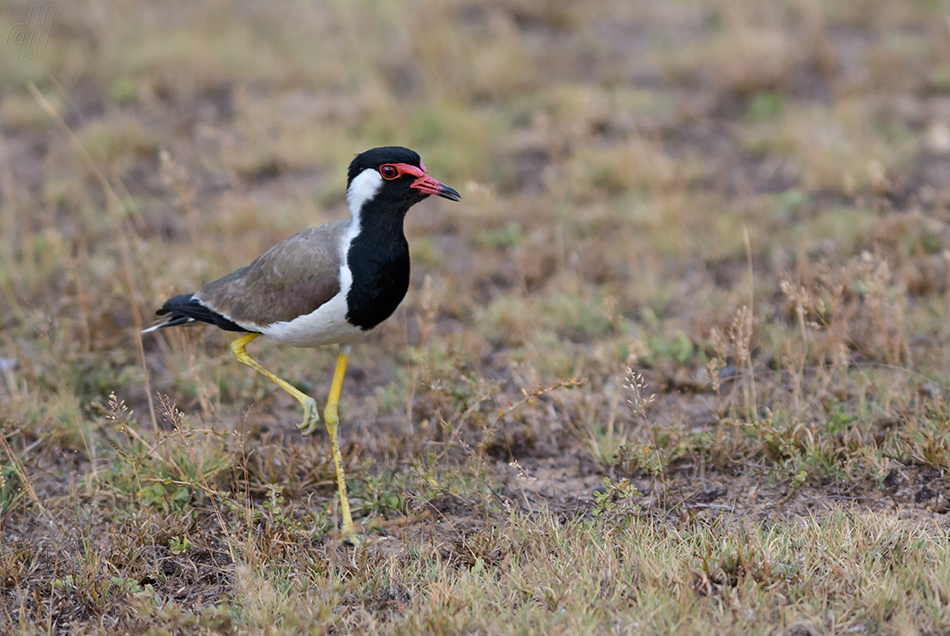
(330, 284)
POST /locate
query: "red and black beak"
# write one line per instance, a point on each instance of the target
(423, 183)
(427, 184)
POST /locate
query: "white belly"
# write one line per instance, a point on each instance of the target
(325, 325)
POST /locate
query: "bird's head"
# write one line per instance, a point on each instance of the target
(393, 178)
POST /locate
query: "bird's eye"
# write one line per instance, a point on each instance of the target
(388, 171)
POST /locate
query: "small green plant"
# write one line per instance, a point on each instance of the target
(10, 491)
(377, 496)
(509, 235)
(124, 585)
(615, 498)
(274, 511)
(163, 474)
(67, 582)
(179, 545)
(607, 443)
(766, 106)
(799, 478)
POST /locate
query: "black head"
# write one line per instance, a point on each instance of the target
(393, 178)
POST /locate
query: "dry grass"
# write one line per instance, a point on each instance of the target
(678, 362)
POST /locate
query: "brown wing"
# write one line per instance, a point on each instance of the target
(291, 279)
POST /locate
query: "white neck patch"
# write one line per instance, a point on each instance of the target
(363, 187)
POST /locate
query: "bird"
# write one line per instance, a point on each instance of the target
(330, 284)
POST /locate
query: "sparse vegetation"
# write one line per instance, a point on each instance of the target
(678, 362)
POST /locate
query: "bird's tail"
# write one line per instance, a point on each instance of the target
(173, 313)
(171, 321)
(185, 309)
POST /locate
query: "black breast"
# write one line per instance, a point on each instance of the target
(379, 263)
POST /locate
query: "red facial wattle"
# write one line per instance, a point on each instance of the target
(423, 183)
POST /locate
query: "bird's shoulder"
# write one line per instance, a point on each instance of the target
(315, 248)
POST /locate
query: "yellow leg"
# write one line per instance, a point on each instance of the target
(310, 414)
(332, 421)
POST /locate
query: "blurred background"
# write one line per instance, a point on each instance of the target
(744, 202)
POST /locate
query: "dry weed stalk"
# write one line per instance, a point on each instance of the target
(23, 475)
(490, 430)
(640, 400)
(740, 335)
(841, 313)
(175, 177)
(171, 413)
(531, 396)
(427, 314)
(800, 297)
(735, 343)
(119, 211)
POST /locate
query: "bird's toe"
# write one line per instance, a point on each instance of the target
(311, 417)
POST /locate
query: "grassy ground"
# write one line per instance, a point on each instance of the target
(679, 362)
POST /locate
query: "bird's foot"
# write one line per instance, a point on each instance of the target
(311, 417)
(354, 537)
